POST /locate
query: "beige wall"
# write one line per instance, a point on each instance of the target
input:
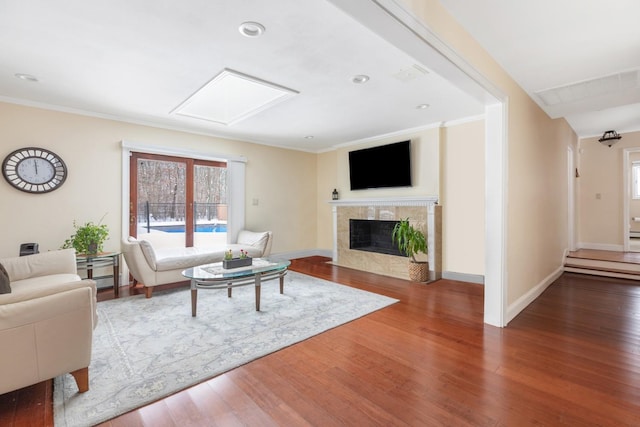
(601, 191)
(425, 158)
(333, 172)
(462, 198)
(91, 149)
(327, 181)
(537, 174)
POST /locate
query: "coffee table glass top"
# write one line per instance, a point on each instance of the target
(216, 272)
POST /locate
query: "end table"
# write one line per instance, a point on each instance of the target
(89, 262)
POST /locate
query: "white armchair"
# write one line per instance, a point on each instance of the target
(46, 321)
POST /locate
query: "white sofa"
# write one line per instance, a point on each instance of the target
(46, 321)
(152, 266)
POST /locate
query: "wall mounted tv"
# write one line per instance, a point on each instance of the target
(383, 166)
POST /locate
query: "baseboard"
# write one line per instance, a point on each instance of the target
(521, 303)
(304, 253)
(463, 277)
(601, 246)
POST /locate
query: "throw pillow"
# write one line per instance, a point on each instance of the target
(253, 238)
(5, 286)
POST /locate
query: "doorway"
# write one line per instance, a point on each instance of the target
(631, 192)
(177, 201)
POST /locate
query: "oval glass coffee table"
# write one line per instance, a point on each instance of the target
(213, 276)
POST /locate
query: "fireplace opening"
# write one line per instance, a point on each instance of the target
(372, 236)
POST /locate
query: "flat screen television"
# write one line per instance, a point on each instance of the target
(383, 166)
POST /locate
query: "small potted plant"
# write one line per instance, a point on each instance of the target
(412, 241)
(230, 262)
(88, 238)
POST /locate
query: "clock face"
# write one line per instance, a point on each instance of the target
(34, 170)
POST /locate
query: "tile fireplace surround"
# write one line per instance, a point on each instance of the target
(419, 210)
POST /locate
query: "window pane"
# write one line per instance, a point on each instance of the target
(162, 201)
(210, 205)
(635, 181)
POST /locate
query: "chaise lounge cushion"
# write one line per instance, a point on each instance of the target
(181, 258)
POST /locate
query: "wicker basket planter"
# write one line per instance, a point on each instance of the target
(419, 271)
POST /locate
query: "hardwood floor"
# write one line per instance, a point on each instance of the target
(571, 358)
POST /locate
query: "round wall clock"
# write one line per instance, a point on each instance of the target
(34, 170)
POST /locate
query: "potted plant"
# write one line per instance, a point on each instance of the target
(412, 241)
(88, 238)
(230, 262)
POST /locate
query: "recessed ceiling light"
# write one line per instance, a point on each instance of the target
(251, 29)
(422, 106)
(360, 78)
(27, 77)
(308, 137)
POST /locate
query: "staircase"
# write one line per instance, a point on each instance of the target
(623, 265)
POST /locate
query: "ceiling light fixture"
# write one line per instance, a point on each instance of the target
(360, 79)
(422, 106)
(27, 77)
(251, 29)
(308, 137)
(610, 137)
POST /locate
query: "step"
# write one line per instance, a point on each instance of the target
(599, 267)
(596, 271)
(614, 266)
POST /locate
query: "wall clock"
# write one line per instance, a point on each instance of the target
(34, 170)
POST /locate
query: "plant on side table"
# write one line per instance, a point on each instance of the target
(412, 241)
(88, 238)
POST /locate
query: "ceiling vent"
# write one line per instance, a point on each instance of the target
(410, 73)
(231, 96)
(607, 85)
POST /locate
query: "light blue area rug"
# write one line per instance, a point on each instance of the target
(146, 349)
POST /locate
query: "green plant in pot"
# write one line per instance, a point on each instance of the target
(411, 241)
(88, 238)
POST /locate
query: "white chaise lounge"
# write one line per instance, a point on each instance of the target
(159, 266)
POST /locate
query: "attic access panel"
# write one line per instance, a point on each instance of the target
(231, 97)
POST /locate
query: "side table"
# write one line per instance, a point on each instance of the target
(90, 262)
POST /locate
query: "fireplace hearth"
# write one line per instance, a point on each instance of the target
(372, 236)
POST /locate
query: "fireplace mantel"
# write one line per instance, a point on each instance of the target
(421, 208)
(388, 201)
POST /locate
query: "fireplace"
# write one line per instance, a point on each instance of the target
(386, 211)
(372, 236)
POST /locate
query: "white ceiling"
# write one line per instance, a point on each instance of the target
(139, 60)
(547, 44)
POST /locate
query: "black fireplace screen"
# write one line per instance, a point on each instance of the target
(372, 236)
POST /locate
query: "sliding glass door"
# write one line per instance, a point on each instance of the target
(177, 201)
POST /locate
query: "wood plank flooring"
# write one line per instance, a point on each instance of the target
(571, 358)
